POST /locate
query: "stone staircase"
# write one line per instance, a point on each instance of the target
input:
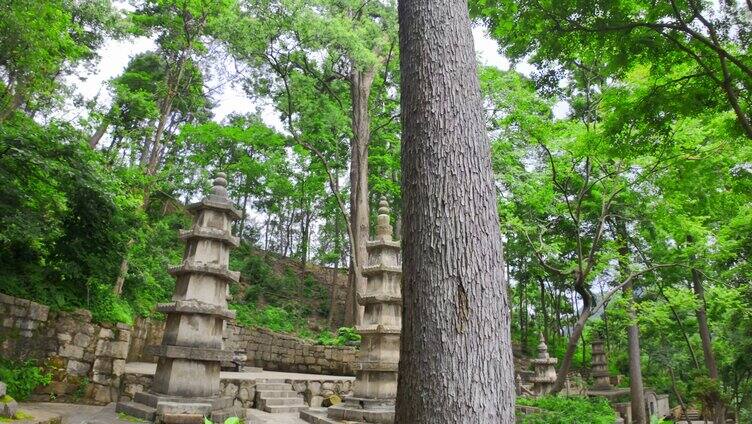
(277, 396)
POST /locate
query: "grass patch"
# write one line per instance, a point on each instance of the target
(567, 410)
(20, 415)
(125, 417)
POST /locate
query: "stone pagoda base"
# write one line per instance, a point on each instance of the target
(172, 409)
(352, 410)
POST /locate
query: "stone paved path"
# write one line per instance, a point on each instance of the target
(84, 414)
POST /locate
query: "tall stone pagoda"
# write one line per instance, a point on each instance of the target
(545, 373)
(186, 386)
(376, 383)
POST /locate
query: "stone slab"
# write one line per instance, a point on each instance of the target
(196, 307)
(193, 353)
(154, 400)
(210, 233)
(188, 267)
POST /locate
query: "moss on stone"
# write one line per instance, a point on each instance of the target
(20, 415)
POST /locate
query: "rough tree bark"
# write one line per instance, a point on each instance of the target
(360, 91)
(456, 357)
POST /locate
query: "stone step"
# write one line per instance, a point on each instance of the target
(221, 416)
(289, 401)
(137, 410)
(272, 394)
(260, 387)
(282, 409)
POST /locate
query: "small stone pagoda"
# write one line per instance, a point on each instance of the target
(186, 385)
(376, 369)
(599, 367)
(545, 373)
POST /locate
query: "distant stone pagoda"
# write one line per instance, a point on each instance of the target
(545, 373)
(376, 369)
(186, 385)
(599, 367)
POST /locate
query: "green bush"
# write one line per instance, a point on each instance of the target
(344, 335)
(568, 410)
(274, 318)
(22, 378)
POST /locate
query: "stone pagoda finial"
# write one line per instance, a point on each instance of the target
(383, 226)
(220, 185)
(186, 385)
(545, 373)
(376, 367)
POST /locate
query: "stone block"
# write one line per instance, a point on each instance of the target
(230, 390)
(77, 368)
(72, 351)
(180, 408)
(124, 336)
(8, 322)
(4, 298)
(106, 333)
(118, 367)
(88, 329)
(8, 407)
(103, 393)
(182, 418)
(316, 401)
(81, 339)
(82, 315)
(26, 324)
(64, 338)
(102, 379)
(26, 333)
(18, 311)
(38, 312)
(3, 389)
(102, 365)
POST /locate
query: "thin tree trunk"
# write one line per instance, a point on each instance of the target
(101, 131)
(456, 319)
(719, 408)
(636, 387)
(543, 310)
(360, 91)
(123, 270)
(335, 271)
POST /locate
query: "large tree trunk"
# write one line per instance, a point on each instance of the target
(456, 356)
(360, 91)
(719, 408)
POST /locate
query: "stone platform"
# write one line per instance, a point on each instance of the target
(241, 386)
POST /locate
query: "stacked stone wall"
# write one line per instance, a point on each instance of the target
(86, 360)
(281, 352)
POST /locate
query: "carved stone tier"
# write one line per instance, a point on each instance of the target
(186, 385)
(196, 307)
